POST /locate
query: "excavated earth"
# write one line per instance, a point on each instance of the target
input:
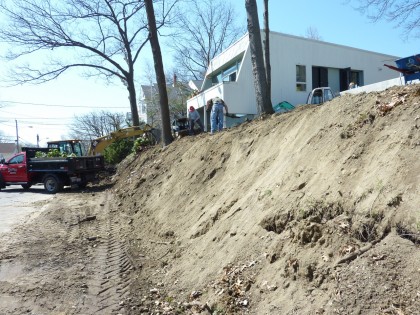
(315, 211)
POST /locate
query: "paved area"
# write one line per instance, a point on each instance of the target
(17, 204)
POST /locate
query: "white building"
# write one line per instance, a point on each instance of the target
(298, 65)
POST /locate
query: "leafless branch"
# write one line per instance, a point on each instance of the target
(403, 13)
(104, 36)
(204, 30)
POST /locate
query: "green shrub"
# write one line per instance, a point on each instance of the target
(51, 153)
(140, 143)
(117, 151)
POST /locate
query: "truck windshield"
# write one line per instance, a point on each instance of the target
(67, 146)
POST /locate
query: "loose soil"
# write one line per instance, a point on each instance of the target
(315, 211)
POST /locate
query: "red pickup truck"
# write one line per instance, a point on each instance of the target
(54, 172)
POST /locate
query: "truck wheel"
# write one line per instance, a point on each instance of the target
(2, 185)
(52, 184)
(26, 186)
(82, 185)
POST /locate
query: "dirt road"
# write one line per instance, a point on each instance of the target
(69, 260)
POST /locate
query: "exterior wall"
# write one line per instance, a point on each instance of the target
(287, 51)
(238, 95)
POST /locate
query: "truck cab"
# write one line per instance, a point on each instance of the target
(15, 170)
(67, 147)
(320, 95)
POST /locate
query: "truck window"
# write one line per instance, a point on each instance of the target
(328, 95)
(78, 149)
(18, 159)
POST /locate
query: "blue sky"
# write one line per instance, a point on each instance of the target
(335, 20)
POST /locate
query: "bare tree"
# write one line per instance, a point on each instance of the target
(104, 37)
(206, 28)
(312, 33)
(96, 124)
(160, 74)
(403, 13)
(264, 105)
(178, 94)
(267, 48)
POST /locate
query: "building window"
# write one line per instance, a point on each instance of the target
(300, 78)
(229, 73)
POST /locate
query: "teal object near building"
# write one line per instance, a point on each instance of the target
(283, 107)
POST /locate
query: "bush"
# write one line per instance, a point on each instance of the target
(52, 153)
(140, 143)
(117, 151)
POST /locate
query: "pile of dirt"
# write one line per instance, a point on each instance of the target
(314, 211)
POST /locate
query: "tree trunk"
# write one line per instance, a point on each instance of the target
(160, 75)
(267, 48)
(260, 81)
(133, 100)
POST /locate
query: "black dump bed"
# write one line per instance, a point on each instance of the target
(81, 164)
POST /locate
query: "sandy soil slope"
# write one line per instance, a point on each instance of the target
(310, 212)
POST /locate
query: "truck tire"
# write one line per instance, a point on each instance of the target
(82, 185)
(2, 185)
(26, 186)
(52, 184)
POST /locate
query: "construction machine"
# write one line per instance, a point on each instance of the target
(97, 146)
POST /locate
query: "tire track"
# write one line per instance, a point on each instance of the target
(108, 287)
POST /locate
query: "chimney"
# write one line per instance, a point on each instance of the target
(174, 83)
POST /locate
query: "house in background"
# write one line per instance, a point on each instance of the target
(7, 150)
(298, 65)
(149, 107)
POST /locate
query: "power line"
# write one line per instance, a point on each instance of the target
(30, 117)
(59, 105)
(33, 123)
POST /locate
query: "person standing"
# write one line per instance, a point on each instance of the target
(194, 117)
(216, 116)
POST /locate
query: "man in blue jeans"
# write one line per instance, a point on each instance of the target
(216, 116)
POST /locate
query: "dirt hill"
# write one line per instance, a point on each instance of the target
(315, 211)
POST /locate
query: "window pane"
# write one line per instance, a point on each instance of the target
(300, 87)
(300, 73)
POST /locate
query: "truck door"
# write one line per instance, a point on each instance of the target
(16, 169)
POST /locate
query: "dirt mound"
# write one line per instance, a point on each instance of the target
(315, 211)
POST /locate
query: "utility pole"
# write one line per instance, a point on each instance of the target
(17, 137)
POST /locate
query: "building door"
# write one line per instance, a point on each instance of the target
(319, 77)
(344, 79)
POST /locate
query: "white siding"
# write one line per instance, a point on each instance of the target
(287, 51)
